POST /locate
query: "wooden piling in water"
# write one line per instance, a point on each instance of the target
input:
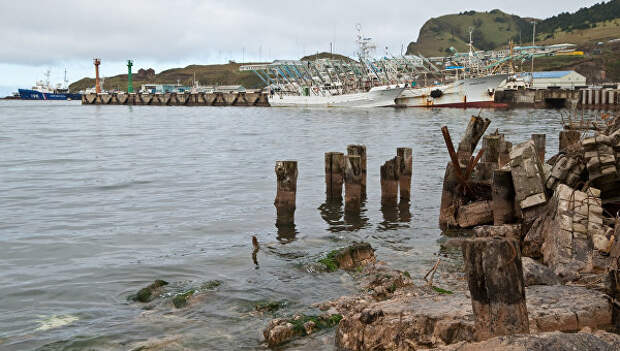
(568, 138)
(503, 194)
(360, 150)
(495, 279)
(334, 175)
(286, 175)
(540, 144)
(406, 170)
(352, 183)
(504, 151)
(390, 176)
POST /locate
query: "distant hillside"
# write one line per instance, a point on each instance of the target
(226, 74)
(490, 30)
(493, 30)
(327, 55)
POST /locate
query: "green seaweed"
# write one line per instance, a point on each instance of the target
(211, 285)
(391, 288)
(180, 300)
(269, 306)
(320, 322)
(146, 294)
(330, 261)
(442, 291)
(406, 274)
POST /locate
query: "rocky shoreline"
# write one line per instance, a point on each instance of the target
(557, 218)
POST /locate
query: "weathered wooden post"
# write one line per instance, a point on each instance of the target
(504, 152)
(360, 150)
(568, 138)
(490, 144)
(390, 175)
(334, 175)
(495, 279)
(474, 131)
(503, 194)
(613, 271)
(352, 183)
(406, 170)
(286, 175)
(539, 144)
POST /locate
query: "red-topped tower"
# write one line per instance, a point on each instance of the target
(97, 62)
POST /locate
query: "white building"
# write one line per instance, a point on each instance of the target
(557, 79)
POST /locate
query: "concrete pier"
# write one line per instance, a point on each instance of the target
(178, 99)
(589, 98)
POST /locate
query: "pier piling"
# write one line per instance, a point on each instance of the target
(539, 144)
(406, 170)
(334, 175)
(503, 194)
(495, 279)
(360, 150)
(568, 138)
(390, 176)
(286, 175)
(353, 183)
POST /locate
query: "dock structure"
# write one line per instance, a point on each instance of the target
(178, 99)
(588, 98)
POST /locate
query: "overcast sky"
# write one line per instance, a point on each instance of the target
(40, 35)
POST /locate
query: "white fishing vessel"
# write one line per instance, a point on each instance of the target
(470, 92)
(380, 96)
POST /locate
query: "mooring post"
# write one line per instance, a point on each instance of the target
(495, 280)
(568, 138)
(490, 144)
(503, 194)
(406, 170)
(286, 174)
(334, 175)
(352, 183)
(539, 144)
(360, 150)
(390, 176)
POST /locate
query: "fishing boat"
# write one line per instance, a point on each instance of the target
(43, 90)
(470, 92)
(379, 96)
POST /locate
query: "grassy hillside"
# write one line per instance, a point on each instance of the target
(493, 30)
(206, 74)
(490, 30)
(327, 55)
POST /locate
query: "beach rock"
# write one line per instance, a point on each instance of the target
(510, 231)
(475, 213)
(281, 330)
(411, 322)
(150, 292)
(553, 341)
(535, 273)
(348, 258)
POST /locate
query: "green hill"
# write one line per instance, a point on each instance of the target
(493, 29)
(490, 30)
(327, 55)
(226, 74)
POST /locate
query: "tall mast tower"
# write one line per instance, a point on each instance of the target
(129, 77)
(97, 62)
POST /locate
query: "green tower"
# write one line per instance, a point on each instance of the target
(129, 81)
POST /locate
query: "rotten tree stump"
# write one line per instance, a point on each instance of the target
(539, 144)
(334, 175)
(406, 170)
(495, 279)
(503, 194)
(360, 150)
(568, 138)
(390, 175)
(286, 175)
(474, 131)
(353, 183)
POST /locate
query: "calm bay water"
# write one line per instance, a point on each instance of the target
(98, 201)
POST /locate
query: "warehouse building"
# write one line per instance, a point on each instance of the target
(557, 79)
